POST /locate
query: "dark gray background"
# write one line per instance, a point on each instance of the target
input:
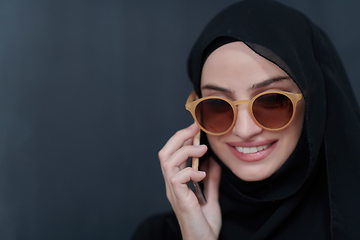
(90, 91)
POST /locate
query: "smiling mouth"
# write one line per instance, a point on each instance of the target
(247, 150)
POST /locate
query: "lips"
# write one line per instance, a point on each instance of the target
(252, 151)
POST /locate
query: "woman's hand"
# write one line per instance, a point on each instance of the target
(196, 221)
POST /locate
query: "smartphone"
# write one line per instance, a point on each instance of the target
(195, 164)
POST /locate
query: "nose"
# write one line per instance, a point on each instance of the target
(245, 127)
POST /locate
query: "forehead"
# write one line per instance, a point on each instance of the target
(235, 65)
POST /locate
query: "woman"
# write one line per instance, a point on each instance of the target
(287, 167)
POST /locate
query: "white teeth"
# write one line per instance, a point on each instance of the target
(252, 149)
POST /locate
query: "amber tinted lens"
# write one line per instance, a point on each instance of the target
(273, 110)
(215, 115)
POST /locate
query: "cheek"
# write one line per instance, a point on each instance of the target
(213, 141)
(216, 145)
(299, 117)
(293, 131)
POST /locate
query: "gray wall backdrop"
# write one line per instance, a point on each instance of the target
(90, 91)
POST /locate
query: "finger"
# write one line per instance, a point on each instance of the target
(176, 186)
(188, 142)
(183, 165)
(172, 165)
(179, 181)
(186, 175)
(179, 139)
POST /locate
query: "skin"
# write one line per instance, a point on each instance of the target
(235, 72)
(196, 222)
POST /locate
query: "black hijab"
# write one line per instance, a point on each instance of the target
(315, 194)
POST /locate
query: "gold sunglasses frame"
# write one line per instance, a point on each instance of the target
(193, 100)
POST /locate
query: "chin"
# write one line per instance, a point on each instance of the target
(254, 174)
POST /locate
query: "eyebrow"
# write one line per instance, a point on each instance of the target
(267, 82)
(253, 87)
(216, 88)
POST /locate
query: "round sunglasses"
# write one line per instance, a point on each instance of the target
(272, 110)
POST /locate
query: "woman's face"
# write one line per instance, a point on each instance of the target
(235, 72)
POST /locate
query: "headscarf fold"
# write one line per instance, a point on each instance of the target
(315, 194)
